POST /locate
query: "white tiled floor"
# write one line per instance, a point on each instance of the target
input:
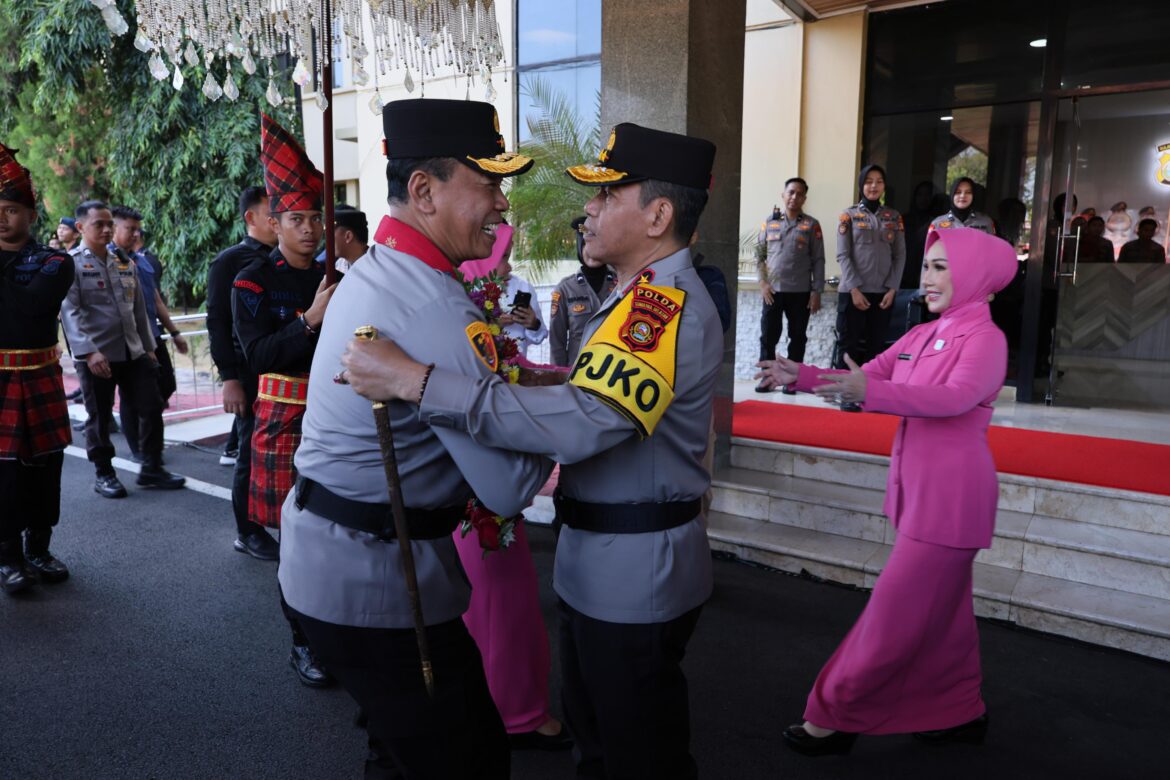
(1134, 425)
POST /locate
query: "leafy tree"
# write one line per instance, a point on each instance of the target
(545, 199)
(92, 122)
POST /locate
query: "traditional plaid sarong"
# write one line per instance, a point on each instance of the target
(274, 442)
(34, 418)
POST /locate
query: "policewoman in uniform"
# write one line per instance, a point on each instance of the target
(35, 426)
(576, 298)
(791, 254)
(962, 212)
(340, 565)
(871, 249)
(278, 304)
(633, 566)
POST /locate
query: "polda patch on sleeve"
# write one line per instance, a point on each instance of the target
(484, 344)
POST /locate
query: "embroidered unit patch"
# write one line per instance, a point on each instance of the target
(484, 345)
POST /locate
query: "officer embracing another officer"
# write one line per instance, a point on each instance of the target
(633, 566)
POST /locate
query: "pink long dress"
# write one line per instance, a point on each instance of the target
(911, 662)
(505, 620)
(504, 616)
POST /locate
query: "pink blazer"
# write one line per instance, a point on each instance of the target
(942, 486)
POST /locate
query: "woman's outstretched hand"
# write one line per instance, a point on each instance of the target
(843, 388)
(776, 373)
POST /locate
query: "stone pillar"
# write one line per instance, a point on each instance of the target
(677, 65)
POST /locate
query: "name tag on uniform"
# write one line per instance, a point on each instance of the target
(904, 356)
(939, 344)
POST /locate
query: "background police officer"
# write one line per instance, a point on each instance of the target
(871, 249)
(791, 254)
(576, 298)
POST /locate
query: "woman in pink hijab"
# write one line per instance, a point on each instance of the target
(911, 662)
(504, 615)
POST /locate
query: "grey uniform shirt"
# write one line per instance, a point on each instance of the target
(104, 310)
(348, 577)
(621, 578)
(573, 303)
(976, 220)
(871, 249)
(795, 254)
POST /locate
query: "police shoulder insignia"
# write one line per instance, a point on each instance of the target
(629, 362)
(556, 303)
(901, 224)
(817, 230)
(843, 227)
(484, 345)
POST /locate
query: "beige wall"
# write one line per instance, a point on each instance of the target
(357, 150)
(830, 120)
(771, 116)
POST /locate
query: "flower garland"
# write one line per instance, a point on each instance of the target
(495, 532)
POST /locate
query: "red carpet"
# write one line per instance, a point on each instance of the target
(1086, 460)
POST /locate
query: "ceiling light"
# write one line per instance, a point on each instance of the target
(945, 118)
(1039, 43)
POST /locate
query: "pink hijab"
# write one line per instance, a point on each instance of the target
(484, 266)
(980, 263)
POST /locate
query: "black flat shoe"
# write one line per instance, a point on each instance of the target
(259, 545)
(836, 744)
(788, 390)
(15, 578)
(534, 740)
(109, 486)
(158, 477)
(850, 407)
(970, 733)
(47, 568)
(309, 670)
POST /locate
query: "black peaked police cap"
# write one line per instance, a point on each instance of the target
(635, 153)
(466, 130)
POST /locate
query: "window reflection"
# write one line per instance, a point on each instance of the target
(559, 42)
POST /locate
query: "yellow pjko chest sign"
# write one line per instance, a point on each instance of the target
(629, 363)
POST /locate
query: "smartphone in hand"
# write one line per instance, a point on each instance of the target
(523, 300)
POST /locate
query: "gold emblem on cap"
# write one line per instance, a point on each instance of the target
(496, 120)
(603, 155)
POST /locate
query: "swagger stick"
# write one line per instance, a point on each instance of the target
(401, 531)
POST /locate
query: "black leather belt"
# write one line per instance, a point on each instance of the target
(624, 518)
(375, 519)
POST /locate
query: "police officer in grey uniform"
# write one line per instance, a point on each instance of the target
(791, 261)
(340, 567)
(576, 298)
(104, 317)
(633, 566)
(962, 212)
(871, 249)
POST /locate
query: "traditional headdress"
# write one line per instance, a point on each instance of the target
(15, 181)
(292, 182)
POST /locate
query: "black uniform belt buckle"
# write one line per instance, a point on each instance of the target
(624, 518)
(376, 519)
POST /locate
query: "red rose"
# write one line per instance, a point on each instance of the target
(489, 533)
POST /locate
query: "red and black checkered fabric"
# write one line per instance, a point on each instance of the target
(292, 182)
(15, 181)
(34, 418)
(274, 442)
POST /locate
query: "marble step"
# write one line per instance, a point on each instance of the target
(1116, 558)
(1125, 509)
(1105, 616)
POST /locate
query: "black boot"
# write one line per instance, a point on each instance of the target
(153, 475)
(40, 560)
(13, 576)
